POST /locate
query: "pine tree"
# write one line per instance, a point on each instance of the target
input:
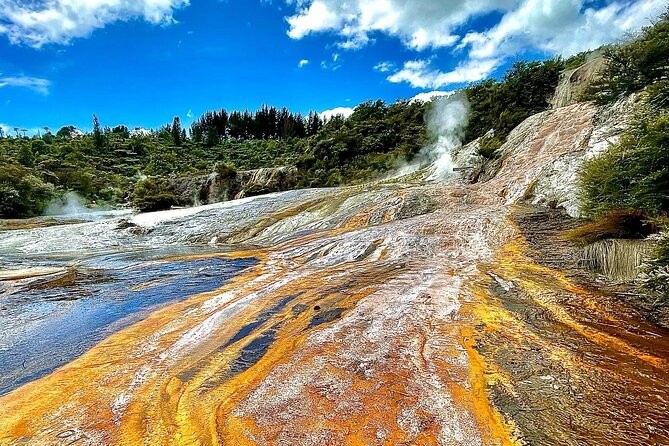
(176, 131)
(98, 138)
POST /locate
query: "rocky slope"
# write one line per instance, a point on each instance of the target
(399, 312)
(574, 82)
(214, 188)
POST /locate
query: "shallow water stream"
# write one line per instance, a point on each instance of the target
(69, 303)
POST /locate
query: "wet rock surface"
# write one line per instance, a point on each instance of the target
(574, 363)
(390, 313)
(51, 319)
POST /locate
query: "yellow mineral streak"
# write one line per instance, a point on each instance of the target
(536, 280)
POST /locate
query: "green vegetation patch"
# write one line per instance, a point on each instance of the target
(635, 64)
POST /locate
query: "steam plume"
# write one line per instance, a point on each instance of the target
(447, 119)
(70, 204)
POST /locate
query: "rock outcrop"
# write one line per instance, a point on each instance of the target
(574, 82)
(580, 131)
(215, 188)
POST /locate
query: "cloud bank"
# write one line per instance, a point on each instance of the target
(33, 83)
(40, 22)
(562, 27)
(343, 111)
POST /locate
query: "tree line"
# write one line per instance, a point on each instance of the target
(265, 123)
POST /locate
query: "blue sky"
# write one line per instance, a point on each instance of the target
(141, 62)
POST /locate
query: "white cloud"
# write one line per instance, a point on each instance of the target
(384, 67)
(344, 111)
(36, 23)
(9, 130)
(303, 63)
(139, 131)
(334, 65)
(561, 27)
(420, 74)
(318, 17)
(33, 83)
(552, 26)
(419, 24)
(429, 95)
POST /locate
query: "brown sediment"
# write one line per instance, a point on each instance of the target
(34, 223)
(584, 368)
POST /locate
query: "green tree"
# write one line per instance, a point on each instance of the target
(177, 131)
(153, 194)
(98, 137)
(526, 89)
(22, 193)
(26, 156)
(66, 131)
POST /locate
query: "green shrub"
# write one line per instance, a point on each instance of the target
(225, 171)
(655, 275)
(26, 156)
(657, 94)
(153, 194)
(632, 65)
(661, 253)
(633, 173)
(576, 60)
(22, 192)
(489, 147)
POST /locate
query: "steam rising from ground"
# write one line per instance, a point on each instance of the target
(447, 120)
(70, 204)
(73, 206)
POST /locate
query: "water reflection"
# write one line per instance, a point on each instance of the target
(49, 321)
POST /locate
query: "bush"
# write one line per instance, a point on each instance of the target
(633, 173)
(576, 60)
(657, 94)
(153, 194)
(655, 275)
(226, 171)
(22, 192)
(489, 147)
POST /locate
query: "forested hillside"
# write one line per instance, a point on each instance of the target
(106, 164)
(122, 166)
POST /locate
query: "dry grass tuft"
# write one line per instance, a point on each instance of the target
(617, 224)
